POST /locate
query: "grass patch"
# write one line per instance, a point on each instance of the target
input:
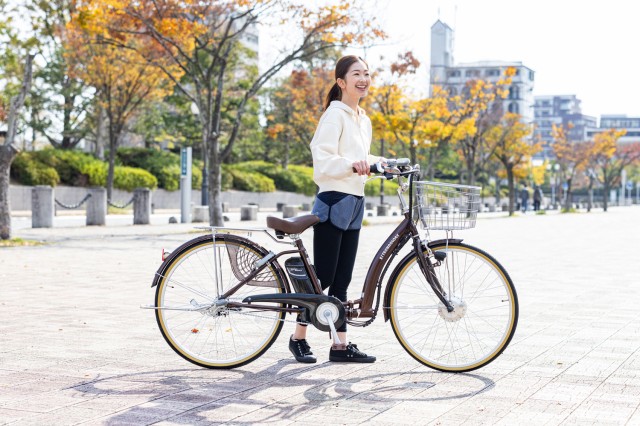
(19, 242)
(365, 222)
(570, 210)
(541, 212)
(117, 210)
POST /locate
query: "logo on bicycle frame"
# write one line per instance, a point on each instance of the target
(386, 249)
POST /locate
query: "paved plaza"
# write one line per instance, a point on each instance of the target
(75, 347)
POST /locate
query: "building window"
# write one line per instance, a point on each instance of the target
(452, 91)
(531, 75)
(472, 73)
(514, 92)
(492, 73)
(513, 107)
(453, 73)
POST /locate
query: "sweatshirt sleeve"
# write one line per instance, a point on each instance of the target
(324, 148)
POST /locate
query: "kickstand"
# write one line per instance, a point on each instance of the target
(334, 333)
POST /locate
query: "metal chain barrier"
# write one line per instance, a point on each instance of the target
(75, 206)
(121, 206)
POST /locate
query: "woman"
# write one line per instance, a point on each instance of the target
(340, 145)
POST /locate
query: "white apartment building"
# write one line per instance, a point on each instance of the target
(564, 111)
(444, 72)
(619, 122)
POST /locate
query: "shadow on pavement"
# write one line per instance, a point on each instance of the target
(283, 390)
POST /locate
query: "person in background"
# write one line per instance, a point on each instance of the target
(537, 198)
(341, 160)
(524, 198)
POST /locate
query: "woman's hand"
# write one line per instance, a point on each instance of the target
(361, 167)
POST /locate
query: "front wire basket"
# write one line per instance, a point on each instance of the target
(446, 206)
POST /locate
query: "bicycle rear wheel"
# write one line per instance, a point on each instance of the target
(482, 323)
(192, 317)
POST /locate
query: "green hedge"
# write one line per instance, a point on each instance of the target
(372, 188)
(293, 179)
(75, 168)
(26, 170)
(251, 181)
(164, 165)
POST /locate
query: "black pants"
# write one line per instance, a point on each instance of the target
(334, 256)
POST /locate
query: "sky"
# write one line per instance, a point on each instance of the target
(583, 48)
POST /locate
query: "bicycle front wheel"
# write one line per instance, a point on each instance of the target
(200, 325)
(476, 331)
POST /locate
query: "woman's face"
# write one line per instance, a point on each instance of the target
(356, 82)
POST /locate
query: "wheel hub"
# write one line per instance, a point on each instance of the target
(459, 310)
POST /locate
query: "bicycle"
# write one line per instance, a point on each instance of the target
(221, 299)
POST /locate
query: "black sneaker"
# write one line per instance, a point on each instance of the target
(301, 351)
(350, 354)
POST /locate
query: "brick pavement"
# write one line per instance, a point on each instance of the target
(76, 349)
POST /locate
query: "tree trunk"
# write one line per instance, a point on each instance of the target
(215, 189)
(112, 165)
(567, 199)
(512, 190)
(605, 194)
(7, 154)
(215, 182)
(100, 134)
(8, 150)
(497, 192)
(590, 198)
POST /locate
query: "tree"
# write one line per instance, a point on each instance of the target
(572, 158)
(122, 79)
(294, 109)
(609, 158)
(8, 150)
(481, 101)
(203, 39)
(512, 149)
(60, 101)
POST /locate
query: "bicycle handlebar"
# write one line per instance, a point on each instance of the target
(393, 167)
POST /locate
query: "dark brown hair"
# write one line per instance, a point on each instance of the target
(342, 67)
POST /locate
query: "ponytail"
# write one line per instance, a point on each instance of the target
(335, 94)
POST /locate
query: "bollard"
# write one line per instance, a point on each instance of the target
(42, 206)
(200, 214)
(368, 206)
(279, 206)
(289, 211)
(225, 207)
(306, 207)
(141, 206)
(249, 212)
(97, 206)
(383, 210)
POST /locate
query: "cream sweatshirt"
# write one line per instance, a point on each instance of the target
(342, 137)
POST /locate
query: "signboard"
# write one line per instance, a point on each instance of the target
(183, 162)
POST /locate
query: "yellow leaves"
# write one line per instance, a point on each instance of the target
(605, 144)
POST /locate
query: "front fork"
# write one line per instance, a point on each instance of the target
(428, 270)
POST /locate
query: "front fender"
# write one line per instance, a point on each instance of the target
(401, 265)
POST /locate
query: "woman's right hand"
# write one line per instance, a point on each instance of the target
(361, 167)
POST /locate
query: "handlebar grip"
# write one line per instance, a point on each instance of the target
(373, 168)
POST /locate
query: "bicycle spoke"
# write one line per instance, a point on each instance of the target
(480, 324)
